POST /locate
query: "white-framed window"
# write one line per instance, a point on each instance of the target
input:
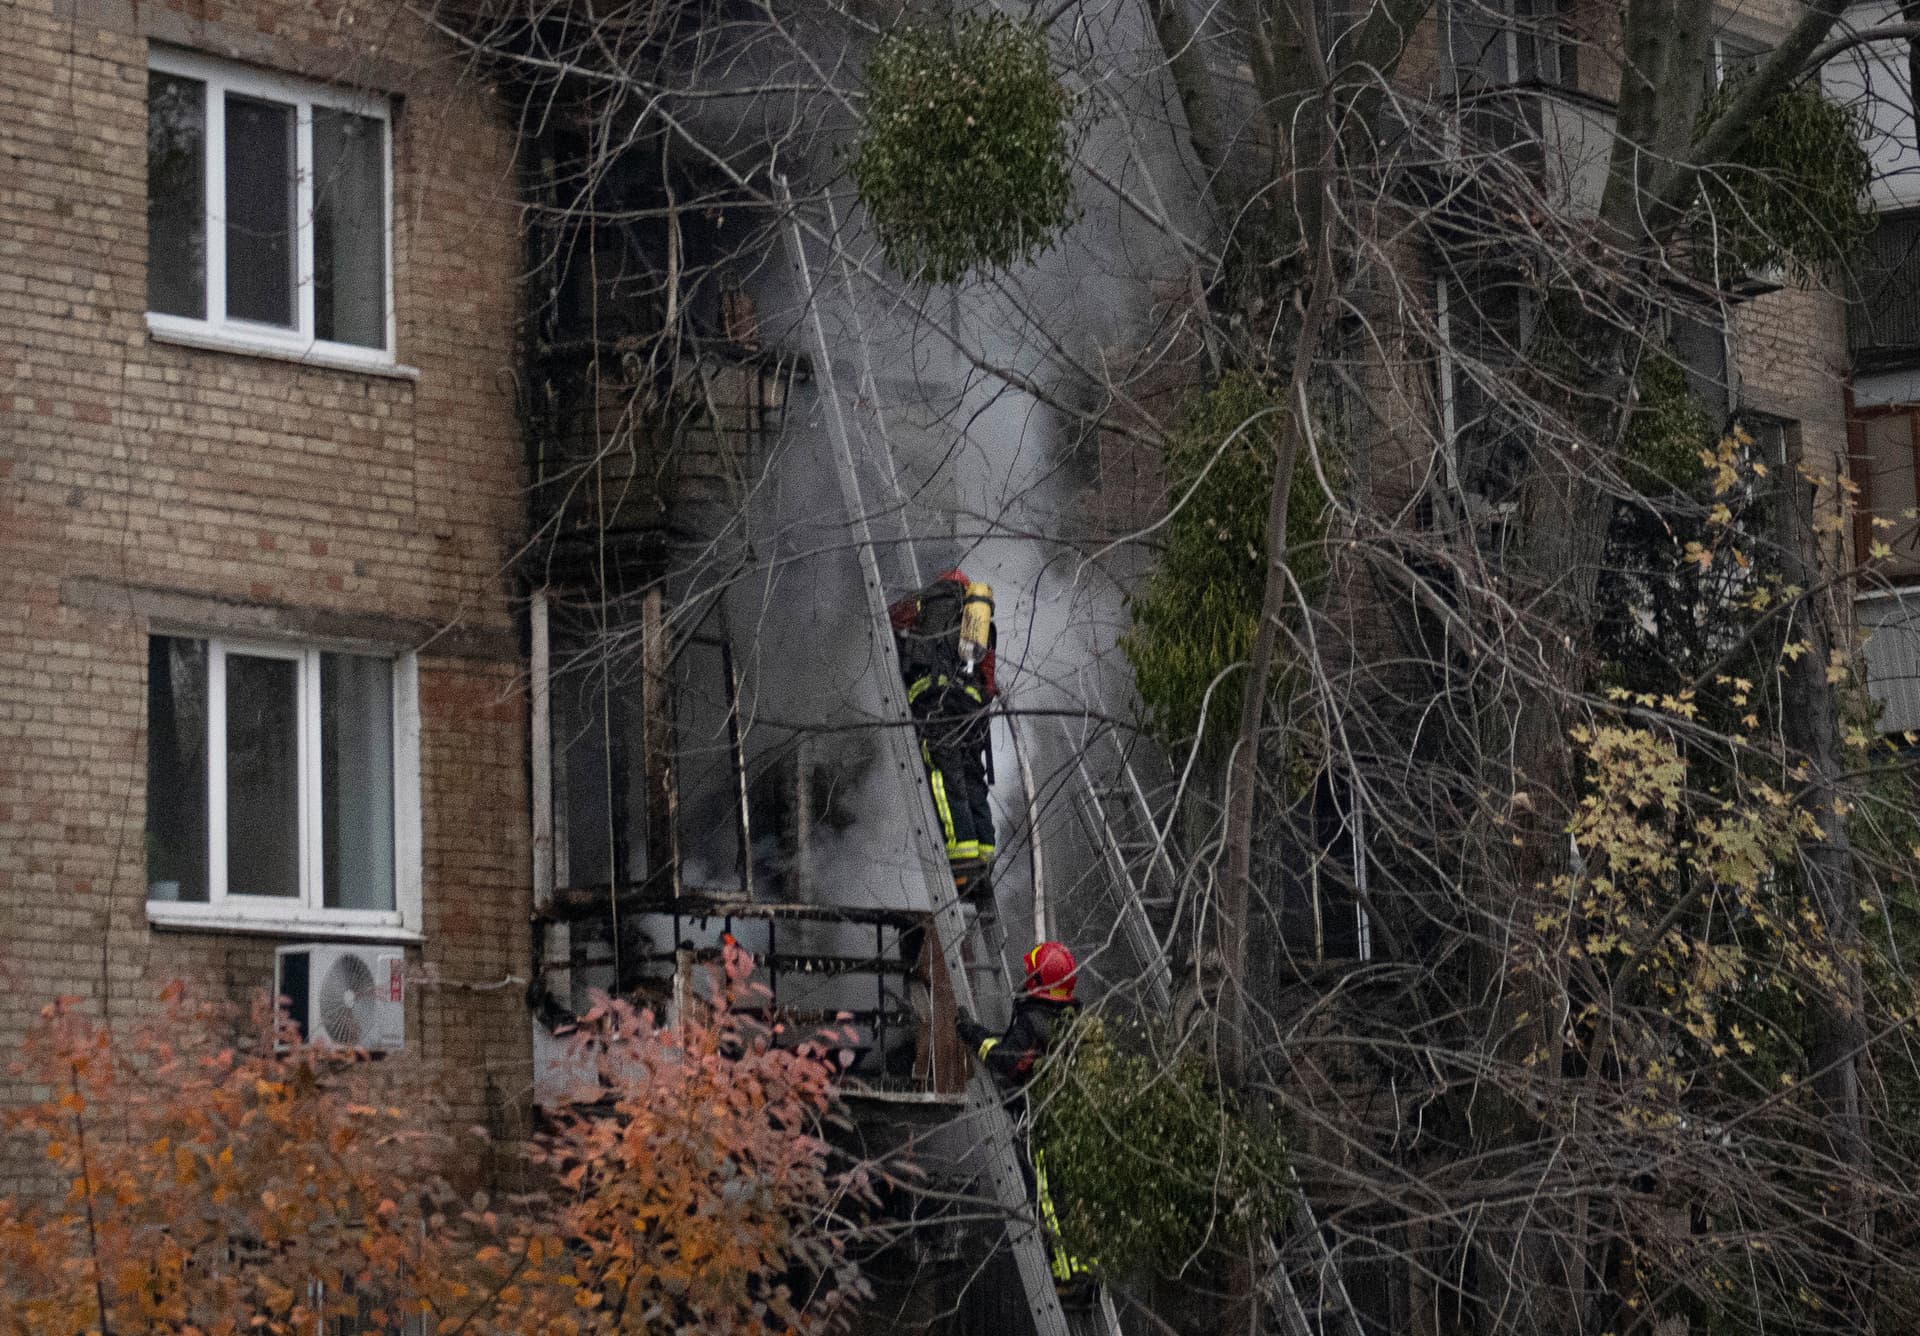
(269, 207)
(282, 787)
(1733, 54)
(1502, 43)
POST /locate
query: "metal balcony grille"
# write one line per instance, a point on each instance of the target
(1883, 318)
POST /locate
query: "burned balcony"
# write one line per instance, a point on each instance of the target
(628, 456)
(860, 969)
(657, 835)
(650, 389)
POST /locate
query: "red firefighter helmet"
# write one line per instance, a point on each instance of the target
(954, 576)
(1050, 972)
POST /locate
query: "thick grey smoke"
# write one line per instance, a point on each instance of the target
(970, 471)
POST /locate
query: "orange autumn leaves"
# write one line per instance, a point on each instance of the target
(219, 1188)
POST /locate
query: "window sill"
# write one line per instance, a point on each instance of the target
(300, 354)
(176, 916)
(1900, 586)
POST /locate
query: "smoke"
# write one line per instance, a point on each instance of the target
(958, 464)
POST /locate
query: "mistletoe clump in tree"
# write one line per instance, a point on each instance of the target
(1793, 195)
(1199, 611)
(1156, 1168)
(963, 163)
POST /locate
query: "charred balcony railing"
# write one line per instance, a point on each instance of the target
(626, 453)
(822, 965)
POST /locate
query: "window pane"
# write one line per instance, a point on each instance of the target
(263, 776)
(176, 769)
(260, 161)
(356, 780)
(176, 195)
(589, 772)
(349, 228)
(1890, 488)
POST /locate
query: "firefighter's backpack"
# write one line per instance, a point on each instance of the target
(932, 642)
(947, 627)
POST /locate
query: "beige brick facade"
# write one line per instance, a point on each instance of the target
(1790, 360)
(245, 492)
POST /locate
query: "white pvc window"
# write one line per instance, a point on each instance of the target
(1498, 43)
(1734, 55)
(281, 786)
(269, 208)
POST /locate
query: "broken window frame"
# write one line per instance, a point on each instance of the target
(1504, 44)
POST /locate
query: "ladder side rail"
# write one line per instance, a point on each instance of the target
(1161, 833)
(1042, 908)
(1146, 942)
(1324, 1263)
(942, 902)
(1286, 1298)
(1286, 1301)
(1134, 922)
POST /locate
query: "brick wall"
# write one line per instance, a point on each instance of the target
(1790, 358)
(257, 493)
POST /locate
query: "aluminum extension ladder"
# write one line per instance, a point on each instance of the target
(1121, 822)
(982, 939)
(938, 897)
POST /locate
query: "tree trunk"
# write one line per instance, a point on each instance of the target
(1810, 727)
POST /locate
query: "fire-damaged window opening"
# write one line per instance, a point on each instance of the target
(1319, 861)
(597, 695)
(654, 392)
(648, 754)
(1484, 314)
(651, 936)
(610, 780)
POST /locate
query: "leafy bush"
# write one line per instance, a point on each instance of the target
(272, 1188)
(210, 1188)
(1669, 429)
(1199, 610)
(1150, 1167)
(963, 163)
(1794, 194)
(705, 1184)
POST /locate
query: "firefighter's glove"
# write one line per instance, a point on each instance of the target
(971, 1032)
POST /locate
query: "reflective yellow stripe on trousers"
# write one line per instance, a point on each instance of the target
(958, 851)
(940, 804)
(1064, 1265)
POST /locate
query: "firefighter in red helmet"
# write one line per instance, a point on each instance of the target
(945, 636)
(1041, 1016)
(1042, 1013)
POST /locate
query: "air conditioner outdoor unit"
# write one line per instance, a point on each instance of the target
(344, 996)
